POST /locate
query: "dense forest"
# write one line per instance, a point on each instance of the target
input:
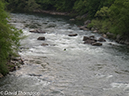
(105, 15)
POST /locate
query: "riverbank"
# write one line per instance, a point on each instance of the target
(52, 12)
(13, 64)
(118, 38)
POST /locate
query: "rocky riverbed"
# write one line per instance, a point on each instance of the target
(60, 64)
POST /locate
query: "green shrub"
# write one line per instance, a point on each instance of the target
(9, 39)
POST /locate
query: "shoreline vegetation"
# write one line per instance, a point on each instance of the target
(108, 17)
(88, 26)
(9, 42)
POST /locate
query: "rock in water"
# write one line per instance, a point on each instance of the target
(72, 35)
(44, 44)
(89, 41)
(85, 38)
(36, 31)
(41, 38)
(101, 39)
(97, 44)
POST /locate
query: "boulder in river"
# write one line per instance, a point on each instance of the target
(89, 41)
(36, 31)
(96, 44)
(72, 35)
(38, 75)
(101, 39)
(85, 38)
(44, 44)
(41, 38)
(92, 37)
(83, 28)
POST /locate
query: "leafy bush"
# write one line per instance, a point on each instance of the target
(9, 39)
(114, 19)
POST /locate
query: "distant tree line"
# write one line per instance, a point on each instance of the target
(79, 7)
(109, 15)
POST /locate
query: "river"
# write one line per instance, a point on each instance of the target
(66, 67)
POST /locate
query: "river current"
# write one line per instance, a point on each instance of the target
(66, 66)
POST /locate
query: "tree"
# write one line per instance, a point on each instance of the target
(22, 5)
(9, 39)
(115, 18)
(119, 13)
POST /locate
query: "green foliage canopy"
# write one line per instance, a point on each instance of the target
(9, 39)
(114, 18)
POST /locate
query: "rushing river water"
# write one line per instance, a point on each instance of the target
(66, 67)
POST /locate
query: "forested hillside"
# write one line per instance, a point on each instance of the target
(109, 15)
(9, 39)
(79, 7)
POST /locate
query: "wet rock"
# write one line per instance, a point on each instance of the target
(92, 37)
(83, 28)
(104, 35)
(11, 69)
(17, 67)
(16, 58)
(101, 39)
(34, 75)
(127, 42)
(89, 41)
(110, 35)
(44, 44)
(72, 35)
(41, 38)
(121, 42)
(85, 38)
(82, 17)
(72, 19)
(87, 22)
(95, 31)
(78, 17)
(97, 44)
(36, 31)
(1, 75)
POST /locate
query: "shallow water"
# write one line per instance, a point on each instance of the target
(79, 70)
